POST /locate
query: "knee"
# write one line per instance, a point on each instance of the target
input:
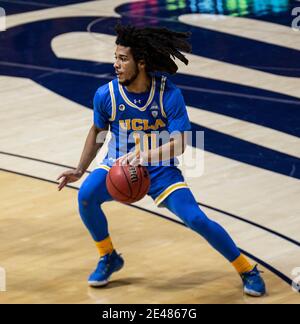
(91, 196)
(198, 221)
(86, 197)
(192, 216)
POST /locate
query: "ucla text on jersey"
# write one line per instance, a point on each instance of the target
(139, 119)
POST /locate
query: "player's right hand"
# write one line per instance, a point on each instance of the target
(68, 177)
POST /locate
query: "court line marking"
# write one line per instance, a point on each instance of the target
(271, 68)
(236, 94)
(94, 22)
(111, 77)
(219, 23)
(79, 9)
(38, 160)
(263, 263)
(31, 3)
(38, 4)
(274, 85)
(54, 70)
(252, 223)
(266, 229)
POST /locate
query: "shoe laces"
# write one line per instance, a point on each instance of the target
(252, 276)
(103, 264)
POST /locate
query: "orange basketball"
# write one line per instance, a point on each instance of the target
(128, 184)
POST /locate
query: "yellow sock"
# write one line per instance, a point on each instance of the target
(105, 247)
(242, 265)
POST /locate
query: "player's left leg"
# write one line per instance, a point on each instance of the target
(183, 204)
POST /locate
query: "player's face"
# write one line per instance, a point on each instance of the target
(125, 66)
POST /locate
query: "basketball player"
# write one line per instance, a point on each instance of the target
(140, 98)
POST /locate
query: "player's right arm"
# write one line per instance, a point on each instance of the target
(89, 152)
(91, 147)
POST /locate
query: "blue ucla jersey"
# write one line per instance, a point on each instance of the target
(139, 119)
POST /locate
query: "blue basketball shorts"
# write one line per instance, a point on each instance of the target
(164, 181)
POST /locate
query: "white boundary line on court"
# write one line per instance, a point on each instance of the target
(110, 77)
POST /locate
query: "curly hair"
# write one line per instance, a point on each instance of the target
(158, 47)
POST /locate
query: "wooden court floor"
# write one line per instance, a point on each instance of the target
(47, 254)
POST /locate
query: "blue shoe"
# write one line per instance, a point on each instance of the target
(254, 284)
(107, 265)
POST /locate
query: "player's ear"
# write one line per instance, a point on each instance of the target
(142, 65)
